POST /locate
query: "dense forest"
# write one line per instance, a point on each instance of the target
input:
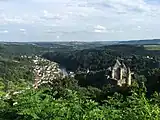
(87, 96)
(143, 62)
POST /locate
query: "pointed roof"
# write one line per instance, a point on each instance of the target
(124, 66)
(109, 68)
(117, 64)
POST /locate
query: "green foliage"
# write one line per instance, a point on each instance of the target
(39, 105)
(2, 87)
(15, 74)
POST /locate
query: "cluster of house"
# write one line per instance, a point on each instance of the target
(25, 56)
(46, 71)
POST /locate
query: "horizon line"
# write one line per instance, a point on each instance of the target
(77, 41)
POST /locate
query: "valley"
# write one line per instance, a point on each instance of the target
(84, 80)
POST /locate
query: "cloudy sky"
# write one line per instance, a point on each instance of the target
(85, 20)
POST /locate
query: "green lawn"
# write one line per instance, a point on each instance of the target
(152, 47)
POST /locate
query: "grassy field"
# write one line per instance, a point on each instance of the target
(152, 47)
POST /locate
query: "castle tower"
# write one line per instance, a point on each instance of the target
(121, 73)
(112, 74)
(128, 77)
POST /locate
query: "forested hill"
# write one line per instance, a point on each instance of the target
(138, 58)
(103, 57)
(141, 42)
(11, 49)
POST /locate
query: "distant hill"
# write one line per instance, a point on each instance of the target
(141, 42)
(75, 45)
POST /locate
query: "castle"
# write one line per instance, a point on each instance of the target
(120, 74)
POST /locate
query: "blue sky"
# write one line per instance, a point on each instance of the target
(84, 20)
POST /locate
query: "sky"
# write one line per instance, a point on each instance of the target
(79, 20)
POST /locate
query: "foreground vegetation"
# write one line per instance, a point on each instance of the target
(72, 105)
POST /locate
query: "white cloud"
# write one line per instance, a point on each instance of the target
(4, 31)
(58, 37)
(100, 27)
(22, 30)
(139, 27)
(98, 31)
